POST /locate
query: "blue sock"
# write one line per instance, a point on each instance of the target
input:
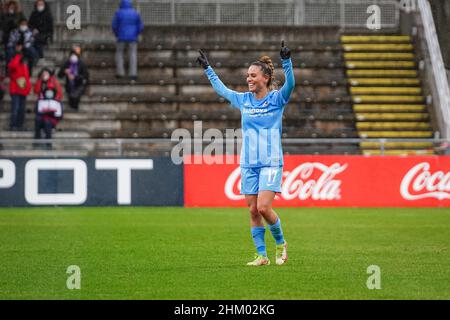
(258, 239)
(277, 232)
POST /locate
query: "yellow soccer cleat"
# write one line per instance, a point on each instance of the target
(260, 260)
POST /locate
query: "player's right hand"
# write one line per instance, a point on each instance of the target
(202, 60)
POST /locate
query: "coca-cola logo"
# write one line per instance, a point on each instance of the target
(310, 180)
(420, 183)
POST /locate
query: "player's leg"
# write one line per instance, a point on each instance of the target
(120, 68)
(132, 52)
(249, 187)
(265, 199)
(269, 185)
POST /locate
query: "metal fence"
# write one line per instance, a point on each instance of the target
(344, 13)
(119, 147)
(437, 70)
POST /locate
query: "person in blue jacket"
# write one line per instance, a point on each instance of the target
(127, 26)
(261, 159)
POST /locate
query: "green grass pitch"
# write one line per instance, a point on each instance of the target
(178, 253)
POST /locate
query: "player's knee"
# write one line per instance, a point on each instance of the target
(254, 212)
(264, 209)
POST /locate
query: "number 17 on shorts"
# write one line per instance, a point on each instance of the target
(255, 180)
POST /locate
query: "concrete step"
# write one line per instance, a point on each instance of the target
(42, 153)
(30, 135)
(208, 45)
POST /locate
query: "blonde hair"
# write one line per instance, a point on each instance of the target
(267, 68)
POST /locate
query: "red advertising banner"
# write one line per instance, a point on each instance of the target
(331, 181)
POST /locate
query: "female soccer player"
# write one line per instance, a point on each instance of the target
(261, 158)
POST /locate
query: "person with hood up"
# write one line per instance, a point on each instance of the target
(127, 25)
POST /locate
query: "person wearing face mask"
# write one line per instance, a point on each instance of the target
(49, 111)
(23, 35)
(76, 75)
(12, 15)
(19, 88)
(41, 24)
(46, 79)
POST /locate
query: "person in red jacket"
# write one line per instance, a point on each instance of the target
(47, 80)
(19, 87)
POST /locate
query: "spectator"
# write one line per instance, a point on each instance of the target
(23, 35)
(47, 80)
(49, 111)
(77, 77)
(12, 15)
(2, 79)
(19, 88)
(41, 25)
(127, 26)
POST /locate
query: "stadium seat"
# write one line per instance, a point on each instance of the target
(349, 56)
(396, 145)
(389, 108)
(374, 39)
(394, 73)
(383, 82)
(380, 64)
(386, 90)
(392, 125)
(396, 134)
(398, 152)
(378, 47)
(387, 99)
(392, 116)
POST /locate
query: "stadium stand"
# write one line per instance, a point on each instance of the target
(387, 93)
(350, 84)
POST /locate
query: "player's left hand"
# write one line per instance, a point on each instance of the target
(285, 52)
(203, 60)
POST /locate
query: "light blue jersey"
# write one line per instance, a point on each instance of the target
(261, 119)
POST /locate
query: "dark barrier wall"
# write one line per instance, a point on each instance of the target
(90, 182)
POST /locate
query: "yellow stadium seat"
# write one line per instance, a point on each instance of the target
(383, 81)
(395, 134)
(382, 38)
(392, 116)
(386, 90)
(378, 56)
(397, 152)
(397, 145)
(382, 73)
(378, 47)
(389, 108)
(393, 126)
(379, 64)
(392, 99)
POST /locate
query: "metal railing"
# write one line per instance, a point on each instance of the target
(116, 147)
(343, 13)
(436, 61)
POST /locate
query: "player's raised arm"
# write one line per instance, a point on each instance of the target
(289, 82)
(217, 84)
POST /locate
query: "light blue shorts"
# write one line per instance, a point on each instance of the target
(254, 180)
